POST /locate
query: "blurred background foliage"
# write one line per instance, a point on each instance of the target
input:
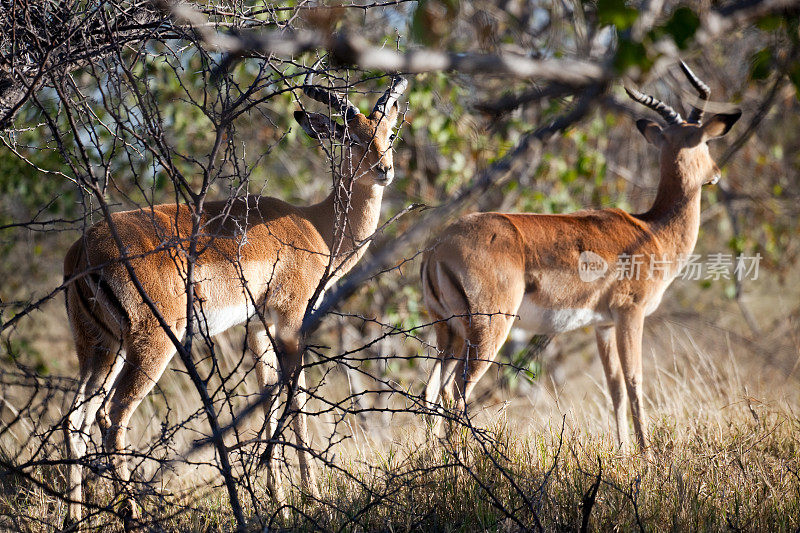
(453, 127)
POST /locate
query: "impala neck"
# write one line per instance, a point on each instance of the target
(675, 214)
(345, 218)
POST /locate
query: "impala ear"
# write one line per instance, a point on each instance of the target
(393, 112)
(720, 124)
(651, 131)
(319, 126)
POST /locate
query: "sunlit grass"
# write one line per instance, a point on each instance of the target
(722, 458)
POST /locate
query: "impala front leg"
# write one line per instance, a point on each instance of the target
(269, 380)
(607, 347)
(308, 477)
(629, 325)
(291, 361)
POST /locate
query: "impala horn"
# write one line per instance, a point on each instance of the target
(395, 90)
(341, 105)
(702, 89)
(669, 114)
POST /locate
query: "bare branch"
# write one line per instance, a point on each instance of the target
(495, 174)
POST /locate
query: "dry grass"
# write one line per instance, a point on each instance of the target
(724, 457)
(712, 473)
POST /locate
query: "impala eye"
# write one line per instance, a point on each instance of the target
(392, 137)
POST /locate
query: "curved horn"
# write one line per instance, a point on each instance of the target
(342, 105)
(669, 114)
(702, 89)
(395, 90)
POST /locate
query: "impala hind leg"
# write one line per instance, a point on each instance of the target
(449, 346)
(147, 355)
(99, 364)
(269, 378)
(444, 336)
(485, 336)
(607, 347)
(629, 327)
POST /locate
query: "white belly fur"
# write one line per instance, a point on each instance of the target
(215, 321)
(544, 321)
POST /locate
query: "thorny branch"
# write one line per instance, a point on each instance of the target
(86, 69)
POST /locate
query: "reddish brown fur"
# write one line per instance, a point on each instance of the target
(253, 250)
(485, 268)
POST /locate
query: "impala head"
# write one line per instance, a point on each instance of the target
(369, 137)
(684, 152)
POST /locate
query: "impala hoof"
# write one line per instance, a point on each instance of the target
(70, 523)
(131, 518)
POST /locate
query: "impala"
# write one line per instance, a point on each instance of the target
(554, 273)
(262, 259)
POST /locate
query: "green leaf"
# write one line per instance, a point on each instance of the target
(770, 22)
(794, 76)
(617, 13)
(762, 64)
(631, 54)
(730, 291)
(737, 244)
(682, 26)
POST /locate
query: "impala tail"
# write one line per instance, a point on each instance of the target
(90, 299)
(443, 291)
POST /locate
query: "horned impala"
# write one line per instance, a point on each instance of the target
(490, 271)
(261, 257)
